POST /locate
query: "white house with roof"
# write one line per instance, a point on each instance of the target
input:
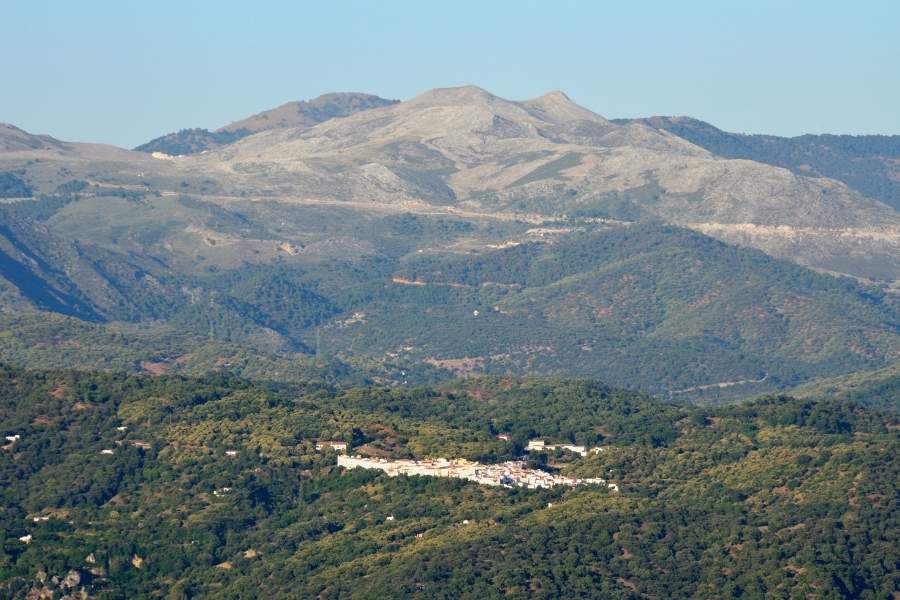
(540, 445)
(335, 445)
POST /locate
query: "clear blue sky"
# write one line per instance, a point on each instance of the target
(124, 72)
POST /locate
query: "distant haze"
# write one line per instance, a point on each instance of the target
(124, 73)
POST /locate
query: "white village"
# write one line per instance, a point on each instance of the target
(508, 474)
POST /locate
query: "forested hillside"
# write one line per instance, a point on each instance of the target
(12, 186)
(191, 141)
(876, 387)
(656, 308)
(645, 306)
(125, 486)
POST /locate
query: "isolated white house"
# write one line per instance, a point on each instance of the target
(334, 445)
(541, 445)
(576, 449)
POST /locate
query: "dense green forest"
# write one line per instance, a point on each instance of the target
(777, 497)
(878, 387)
(657, 308)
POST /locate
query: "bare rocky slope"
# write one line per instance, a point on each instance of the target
(868, 163)
(466, 148)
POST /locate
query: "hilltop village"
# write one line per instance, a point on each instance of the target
(508, 474)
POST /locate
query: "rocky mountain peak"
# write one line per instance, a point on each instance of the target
(465, 94)
(557, 107)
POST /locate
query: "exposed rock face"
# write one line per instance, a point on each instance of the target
(469, 148)
(867, 163)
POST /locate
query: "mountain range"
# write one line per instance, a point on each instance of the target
(460, 232)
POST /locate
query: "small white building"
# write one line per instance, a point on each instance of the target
(13, 438)
(503, 436)
(540, 445)
(334, 445)
(107, 451)
(576, 449)
(534, 445)
(231, 453)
